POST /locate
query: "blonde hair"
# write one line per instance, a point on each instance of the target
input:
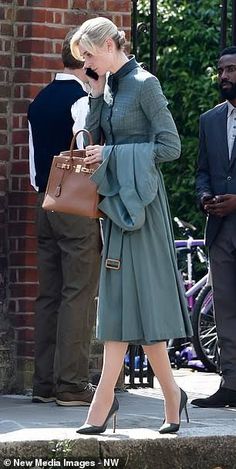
(93, 33)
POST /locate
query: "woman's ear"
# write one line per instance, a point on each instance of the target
(109, 44)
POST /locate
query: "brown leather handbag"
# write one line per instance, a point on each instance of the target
(70, 188)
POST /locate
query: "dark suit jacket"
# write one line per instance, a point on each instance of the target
(216, 174)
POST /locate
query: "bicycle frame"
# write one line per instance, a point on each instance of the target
(191, 288)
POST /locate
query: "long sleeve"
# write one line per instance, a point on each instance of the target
(31, 159)
(93, 118)
(203, 184)
(79, 111)
(154, 104)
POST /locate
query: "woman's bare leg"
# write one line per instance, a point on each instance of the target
(113, 358)
(158, 357)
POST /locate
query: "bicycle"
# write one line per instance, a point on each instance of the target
(204, 338)
(200, 300)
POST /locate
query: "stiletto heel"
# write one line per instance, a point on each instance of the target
(114, 422)
(174, 427)
(88, 429)
(186, 413)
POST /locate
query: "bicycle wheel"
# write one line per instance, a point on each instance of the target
(205, 340)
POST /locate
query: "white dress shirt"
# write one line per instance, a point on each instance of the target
(231, 127)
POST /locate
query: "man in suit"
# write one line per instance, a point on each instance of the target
(68, 249)
(216, 192)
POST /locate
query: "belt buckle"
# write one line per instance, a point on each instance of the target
(112, 264)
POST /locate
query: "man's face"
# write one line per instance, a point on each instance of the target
(227, 76)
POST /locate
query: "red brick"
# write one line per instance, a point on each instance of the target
(25, 349)
(27, 244)
(19, 199)
(118, 5)
(30, 15)
(20, 136)
(28, 275)
(25, 334)
(96, 5)
(3, 106)
(26, 214)
(26, 305)
(13, 306)
(21, 229)
(73, 18)
(13, 215)
(63, 4)
(48, 63)
(6, 29)
(3, 168)
(46, 31)
(22, 290)
(19, 62)
(5, 61)
(21, 106)
(126, 21)
(16, 153)
(17, 91)
(22, 259)
(49, 16)
(25, 184)
(5, 91)
(3, 185)
(21, 320)
(34, 46)
(31, 76)
(79, 4)
(24, 152)
(30, 91)
(3, 139)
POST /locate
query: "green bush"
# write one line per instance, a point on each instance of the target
(188, 35)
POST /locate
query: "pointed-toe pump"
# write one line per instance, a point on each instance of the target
(88, 429)
(174, 427)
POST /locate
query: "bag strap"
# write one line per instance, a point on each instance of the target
(74, 139)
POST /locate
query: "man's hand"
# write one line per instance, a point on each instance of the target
(221, 205)
(206, 199)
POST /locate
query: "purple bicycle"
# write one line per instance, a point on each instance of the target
(199, 299)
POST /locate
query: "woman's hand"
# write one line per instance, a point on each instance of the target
(93, 154)
(97, 86)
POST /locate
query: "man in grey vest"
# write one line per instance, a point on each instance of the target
(68, 250)
(216, 191)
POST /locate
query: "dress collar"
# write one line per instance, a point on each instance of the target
(113, 78)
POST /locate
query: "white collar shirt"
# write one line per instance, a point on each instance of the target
(231, 127)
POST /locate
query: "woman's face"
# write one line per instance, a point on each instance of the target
(98, 61)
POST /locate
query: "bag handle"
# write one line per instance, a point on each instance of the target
(74, 139)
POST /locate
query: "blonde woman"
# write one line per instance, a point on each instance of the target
(140, 299)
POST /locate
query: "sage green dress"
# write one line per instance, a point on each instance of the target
(141, 300)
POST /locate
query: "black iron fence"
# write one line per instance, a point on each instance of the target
(225, 6)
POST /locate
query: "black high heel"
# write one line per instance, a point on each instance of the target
(174, 427)
(88, 429)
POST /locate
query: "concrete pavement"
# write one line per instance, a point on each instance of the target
(27, 429)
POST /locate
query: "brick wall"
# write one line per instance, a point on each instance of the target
(32, 31)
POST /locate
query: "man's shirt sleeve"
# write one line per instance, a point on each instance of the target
(79, 111)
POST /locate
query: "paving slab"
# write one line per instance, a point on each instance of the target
(28, 429)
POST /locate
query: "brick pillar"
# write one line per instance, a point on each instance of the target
(33, 31)
(7, 342)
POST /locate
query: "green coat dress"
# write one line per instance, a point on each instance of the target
(141, 298)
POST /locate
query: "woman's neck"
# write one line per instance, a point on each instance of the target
(118, 62)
